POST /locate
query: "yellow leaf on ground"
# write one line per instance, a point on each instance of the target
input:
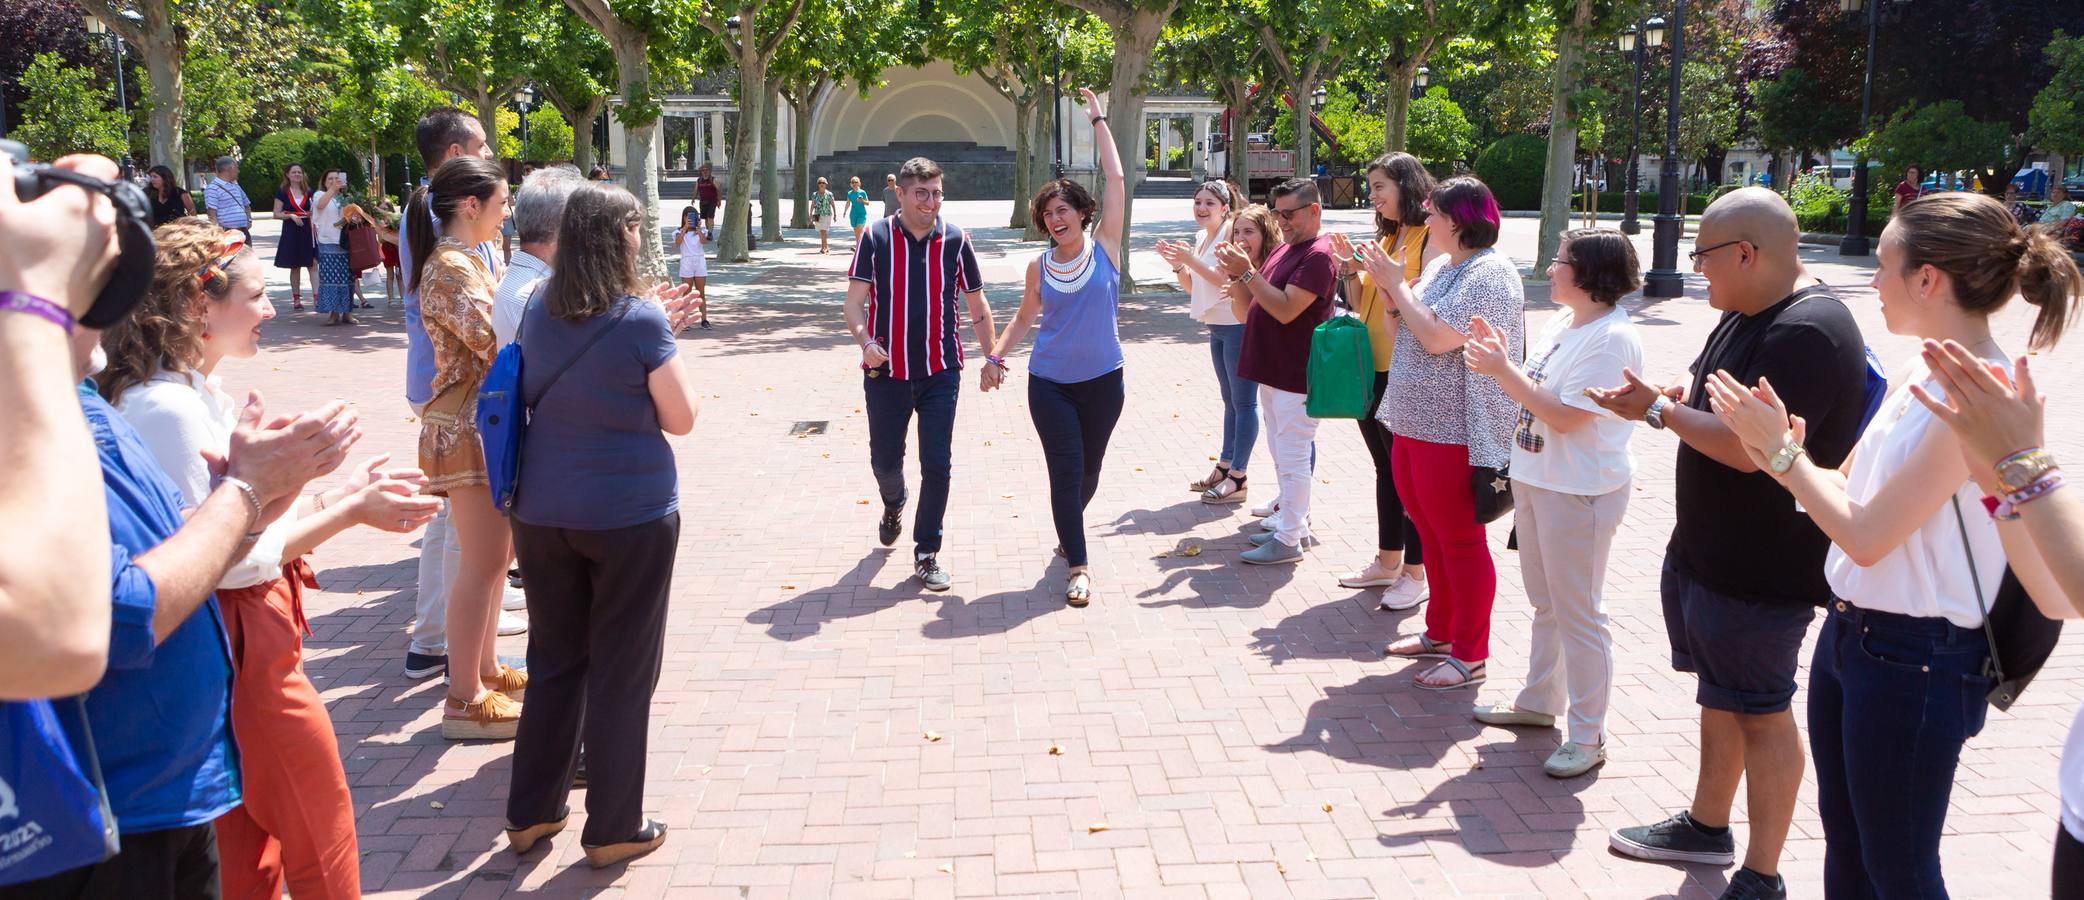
(1096, 828)
(933, 736)
(1191, 550)
(788, 587)
(1327, 807)
(944, 867)
(1056, 750)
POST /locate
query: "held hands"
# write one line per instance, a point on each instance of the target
(679, 301)
(389, 499)
(1630, 400)
(1993, 416)
(1233, 260)
(989, 376)
(1484, 353)
(873, 355)
(1756, 415)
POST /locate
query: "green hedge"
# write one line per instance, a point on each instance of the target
(1512, 168)
(1646, 202)
(260, 170)
(1820, 207)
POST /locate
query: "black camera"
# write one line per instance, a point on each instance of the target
(132, 274)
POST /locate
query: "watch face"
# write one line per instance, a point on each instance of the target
(2020, 472)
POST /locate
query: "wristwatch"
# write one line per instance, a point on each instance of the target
(2024, 468)
(1246, 278)
(1784, 458)
(1654, 415)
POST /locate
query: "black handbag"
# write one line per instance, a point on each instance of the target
(2021, 637)
(1492, 489)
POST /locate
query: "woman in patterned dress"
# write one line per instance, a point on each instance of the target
(468, 196)
(335, 286)
(295, 250)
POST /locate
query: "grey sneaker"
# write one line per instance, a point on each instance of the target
(1676, 839)
(930, 574)
(1266, 537)
(1272, 553)
(1573, 759)
(1749, 885)
(1405, 594)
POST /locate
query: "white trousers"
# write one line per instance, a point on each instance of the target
(1290, 432)
(1564, 540)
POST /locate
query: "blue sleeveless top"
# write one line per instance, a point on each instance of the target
(1078, 339)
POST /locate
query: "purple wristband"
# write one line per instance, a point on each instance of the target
(16, 301)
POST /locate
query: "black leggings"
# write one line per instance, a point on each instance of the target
(1074, 422)
(1393, 529)
(2069, 865)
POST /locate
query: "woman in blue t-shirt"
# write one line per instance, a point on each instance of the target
(1076, 393)
(596, 519)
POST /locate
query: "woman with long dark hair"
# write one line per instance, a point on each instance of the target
(469, 196)
(170, 201)
(1919, 542)
(1075, 391)
(595, 522)
(1216, 202)
(1398, 185)
(296, 250)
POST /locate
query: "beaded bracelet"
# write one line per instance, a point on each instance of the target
(2007, 509)
(17, 301)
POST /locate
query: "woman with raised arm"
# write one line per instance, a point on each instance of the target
(1075, 394)
(1919, 540)
(1216, 203)
(336, 281)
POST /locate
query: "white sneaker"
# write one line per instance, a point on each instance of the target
(1572, 760)
(1374, 574)
(1406, 593)
(513, 599)
(1271, 507)
(510, 624)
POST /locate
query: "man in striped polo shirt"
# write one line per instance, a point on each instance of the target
(227, 202)
(907, 270)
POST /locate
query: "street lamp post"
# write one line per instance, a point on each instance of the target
(525, 100)
(1664, 279)
(115, 42)
(1419, 82)
(1056, 107)
(1855, 241)
(1651, 34)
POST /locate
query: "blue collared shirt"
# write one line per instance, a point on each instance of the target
(162, 714)
(419, 349)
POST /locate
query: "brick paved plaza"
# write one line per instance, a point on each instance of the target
(822, 728)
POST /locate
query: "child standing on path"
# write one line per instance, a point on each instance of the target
(694, 267)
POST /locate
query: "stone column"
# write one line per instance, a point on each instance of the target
(1201, 154)
(717, 156)
(618, 144)
(694, 143)
(1164, 141)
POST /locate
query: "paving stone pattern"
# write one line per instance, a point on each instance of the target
(1224, 730)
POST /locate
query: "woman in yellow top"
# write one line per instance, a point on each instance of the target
(1397, 186)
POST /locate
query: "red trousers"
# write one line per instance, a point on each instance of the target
(297, 824)
(1433, 481)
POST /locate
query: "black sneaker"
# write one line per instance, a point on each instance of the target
(514, 577)
(422, 666)
(931, 575)
(1749, 885)
(892, 525)
(705, 324)
(1676, 839)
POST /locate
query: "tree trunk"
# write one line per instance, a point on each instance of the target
(1135, 41)
(376, 169)
(1041, 166)
(488, 115)
(1562, 156)
(1305, 134)
(770, 166)
(1396, 125)
(1239, 159)
(804, 104)
(738, 190)
(640, 169)
(582, 134)
(1024, 185)
(163, 69)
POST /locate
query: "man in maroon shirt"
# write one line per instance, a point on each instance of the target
(708, 197)
(1288, 300)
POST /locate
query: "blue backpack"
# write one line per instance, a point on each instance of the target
(1877, 389)
(503, 414)
(54, 811)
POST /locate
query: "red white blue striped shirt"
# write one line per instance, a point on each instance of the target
(914, 284)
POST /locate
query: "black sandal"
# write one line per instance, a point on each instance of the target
(1230, 490)
(644, 841)
(1214, 478)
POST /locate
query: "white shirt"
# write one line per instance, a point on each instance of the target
(525, 274)
(1206, 302)
(1563, 361)
(693, 264)
(179, 415)
(1926, 576)
(325, 223)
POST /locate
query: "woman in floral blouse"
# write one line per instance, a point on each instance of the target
(465, 203)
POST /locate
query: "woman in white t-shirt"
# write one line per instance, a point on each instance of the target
(1570, 480)
(1994, 418)
(335, 282)
(1898, 681)
(694, 267)
(1216, 202)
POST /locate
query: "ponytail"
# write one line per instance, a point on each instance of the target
(461, 178)
(419, 236)
(2048, 279)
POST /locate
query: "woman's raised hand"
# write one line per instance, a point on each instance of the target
(1341, 248)
(1092, 103)
(1992, 415)
(1173, 252)
(1233, 260)
(1484, 353)
(1381, 265)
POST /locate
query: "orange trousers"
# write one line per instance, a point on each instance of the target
(297, 824)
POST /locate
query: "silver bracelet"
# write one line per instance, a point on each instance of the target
(253, 503)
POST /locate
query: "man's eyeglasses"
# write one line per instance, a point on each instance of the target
(928, 196)
(1697, 254)
(1288, 215)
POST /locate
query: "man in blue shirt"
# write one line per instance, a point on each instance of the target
(441, 135)
(160, 718)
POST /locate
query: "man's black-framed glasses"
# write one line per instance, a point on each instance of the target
(1288, 215)
(1697, 254)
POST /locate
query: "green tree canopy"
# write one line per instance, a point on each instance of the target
(1941, 136)
(1440, 134)
(2056, 120)
(67, 111)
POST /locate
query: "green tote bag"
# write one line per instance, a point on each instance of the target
(1342, 369)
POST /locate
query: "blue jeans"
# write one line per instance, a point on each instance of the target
(890, 405)
(1891, 700)
(1240, 396)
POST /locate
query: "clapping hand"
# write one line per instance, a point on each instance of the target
(1233, 260)
(679, 302)
(1630, 400)
(1756, 415)
(1341, 249)
(1484, 352)
(389, 499)
(1993, 416)
(1174, 253)
(277, 458)
(1379, 264)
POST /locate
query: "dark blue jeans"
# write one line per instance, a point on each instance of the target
(1074, 422)
(891, 404)
(1240, 396)
(1891, 700)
